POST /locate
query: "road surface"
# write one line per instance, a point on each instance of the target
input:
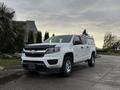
(104, 76)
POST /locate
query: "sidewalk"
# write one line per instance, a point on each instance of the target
(11, 73)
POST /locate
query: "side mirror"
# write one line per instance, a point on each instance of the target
(76, 42)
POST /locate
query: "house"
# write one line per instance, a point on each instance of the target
(27, 26)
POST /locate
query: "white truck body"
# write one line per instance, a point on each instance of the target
(81, 51)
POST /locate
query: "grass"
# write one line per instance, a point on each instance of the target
(9, 62)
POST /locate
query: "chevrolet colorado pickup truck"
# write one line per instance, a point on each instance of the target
(59, 53)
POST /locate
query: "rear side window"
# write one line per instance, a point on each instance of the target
(84, 41)
(91, 42)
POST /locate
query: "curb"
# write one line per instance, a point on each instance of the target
(10, 76)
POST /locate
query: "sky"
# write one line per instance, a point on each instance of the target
(70, 16)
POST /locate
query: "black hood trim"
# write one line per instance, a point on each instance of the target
(38, 47)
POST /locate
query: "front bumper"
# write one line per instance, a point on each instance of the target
(49, 61)
(39, 67)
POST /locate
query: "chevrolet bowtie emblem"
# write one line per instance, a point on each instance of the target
(32, 51)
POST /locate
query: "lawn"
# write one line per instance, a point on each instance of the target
(9, 62)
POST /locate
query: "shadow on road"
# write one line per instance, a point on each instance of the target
(44, 75)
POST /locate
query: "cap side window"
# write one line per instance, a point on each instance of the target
(84, 41)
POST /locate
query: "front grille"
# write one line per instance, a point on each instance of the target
(36, 50)
(38, 47)
(34, 54)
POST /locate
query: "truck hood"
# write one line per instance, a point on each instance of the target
(57, 44)
(44, 46)
(38, 46)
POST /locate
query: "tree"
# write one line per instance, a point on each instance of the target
(53, 34)
(85, 32)
(46, 36)
(7, 34)
(39, 37)
(116, 45)
(109, 41)
(30, 37)
(19, 40)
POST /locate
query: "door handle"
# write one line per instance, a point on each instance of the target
(87, 46)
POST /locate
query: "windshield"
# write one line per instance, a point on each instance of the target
(59, 39)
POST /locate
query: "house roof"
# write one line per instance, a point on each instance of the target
(27, 25)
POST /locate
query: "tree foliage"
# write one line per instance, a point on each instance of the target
(109, 40)
(116, 45)
(19, 40)
(30, 38)
(39, 37)
(7, 34)
(53, 34)
(46, 36)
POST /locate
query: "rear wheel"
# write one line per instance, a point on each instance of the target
(91, 62)
(67, 66)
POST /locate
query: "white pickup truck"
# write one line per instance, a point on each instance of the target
(59, 53)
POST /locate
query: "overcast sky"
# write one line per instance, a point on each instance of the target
(70, 16)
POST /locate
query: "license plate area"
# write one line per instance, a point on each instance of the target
(31, 66)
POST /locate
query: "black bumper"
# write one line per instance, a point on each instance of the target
(39, 67)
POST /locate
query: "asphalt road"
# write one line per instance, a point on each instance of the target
(104, 76)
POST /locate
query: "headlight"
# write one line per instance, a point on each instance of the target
(53, 50)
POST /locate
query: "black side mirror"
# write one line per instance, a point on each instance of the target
(76, 42)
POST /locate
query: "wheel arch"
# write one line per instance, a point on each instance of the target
(70, 54)
(93, 53)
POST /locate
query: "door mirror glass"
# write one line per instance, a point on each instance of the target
(77, 40)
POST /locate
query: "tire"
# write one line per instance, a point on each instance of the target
(91, 62)
(67, 66)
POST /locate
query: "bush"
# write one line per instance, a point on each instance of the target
(39, 37)
(10, 56)
(30, 38)
(19, 41)
(108, 52)
(46, 36)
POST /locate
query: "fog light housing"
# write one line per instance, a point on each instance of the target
(53, 61)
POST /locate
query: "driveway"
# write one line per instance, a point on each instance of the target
(104, 76)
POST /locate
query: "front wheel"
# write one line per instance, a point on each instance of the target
(91, 62)
(67, 66)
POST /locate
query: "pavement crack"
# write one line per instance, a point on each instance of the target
(106, 74)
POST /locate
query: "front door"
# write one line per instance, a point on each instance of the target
(78, 48)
